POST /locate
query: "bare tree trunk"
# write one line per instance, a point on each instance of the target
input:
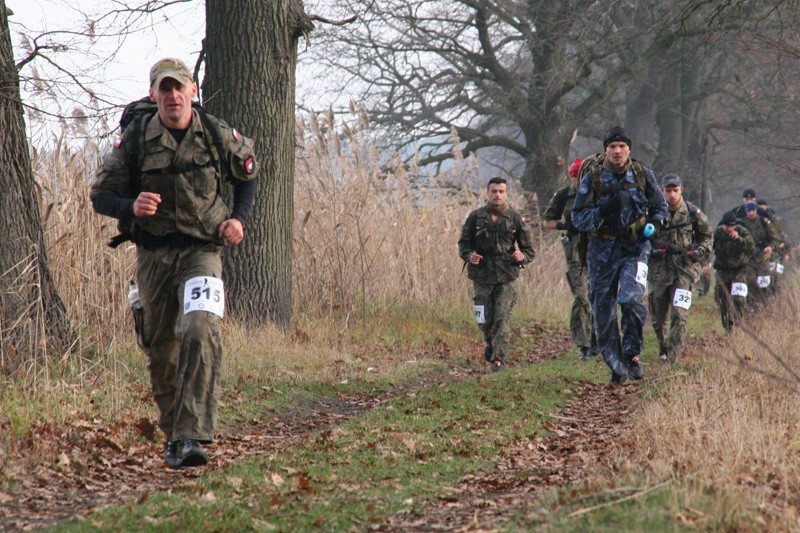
(251, 55)
(33, 318)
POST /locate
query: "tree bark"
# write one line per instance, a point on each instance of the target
(251, 55)
(33, 320)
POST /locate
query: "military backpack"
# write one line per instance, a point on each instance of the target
(594, 165)
(132, 124)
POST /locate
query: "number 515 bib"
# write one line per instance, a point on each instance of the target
(204, 293)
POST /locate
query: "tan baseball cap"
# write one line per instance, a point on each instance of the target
(170, 67)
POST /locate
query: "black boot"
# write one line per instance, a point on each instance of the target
(191, 453)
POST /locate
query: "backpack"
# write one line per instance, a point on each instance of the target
(594, 165)
(137, 115)
(132, 124)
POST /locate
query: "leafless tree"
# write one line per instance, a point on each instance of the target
(33, 319)
(519, 75)
(250, 81)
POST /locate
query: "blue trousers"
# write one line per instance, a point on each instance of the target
(618, 275)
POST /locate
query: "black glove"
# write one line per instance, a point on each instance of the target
(571, 227)
(561, 225)
(612, 205)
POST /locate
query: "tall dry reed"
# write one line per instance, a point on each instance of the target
(369, 235)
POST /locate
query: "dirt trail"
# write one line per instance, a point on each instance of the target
(578, 437)
(93, 470)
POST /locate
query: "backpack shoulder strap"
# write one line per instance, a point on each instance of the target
(693, 210)
(133, 136)
(211, 127)
(596, 172)
(639, 174)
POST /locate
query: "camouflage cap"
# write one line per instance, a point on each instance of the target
(170, 67)
(671, 179)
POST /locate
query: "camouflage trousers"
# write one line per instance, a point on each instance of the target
(731, 308)
(580, 316)
(669, 321)
(759, 274)
(184, 350)
(497, 301)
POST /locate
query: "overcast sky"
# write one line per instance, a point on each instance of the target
(115, 68)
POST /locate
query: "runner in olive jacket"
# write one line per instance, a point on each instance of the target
(674, 267)
(733, 247)
(495, 244)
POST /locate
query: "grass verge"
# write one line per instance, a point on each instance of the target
(399, 457)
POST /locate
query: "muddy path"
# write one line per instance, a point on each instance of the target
(87, 467)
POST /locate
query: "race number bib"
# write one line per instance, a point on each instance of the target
(739, 289)
(683, 298)
(641, 273)
(779, 268)
(763, 281)
(204, 293)
(479, 314)
(771, 266)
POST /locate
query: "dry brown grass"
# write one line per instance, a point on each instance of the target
(726, 431)
(375, 259)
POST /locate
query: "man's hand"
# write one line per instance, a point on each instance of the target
(475, 258)
(232, 231)
(612, 205)
(146, 204)
(707, 270)
(518, 256)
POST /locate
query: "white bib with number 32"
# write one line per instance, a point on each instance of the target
(683, 298)
(204, 293)
(480, 314)
(739, 289)
(641, 273)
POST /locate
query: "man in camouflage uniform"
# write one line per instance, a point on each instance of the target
(487, 246)
(674, 267)
(749, 197)
(781, 253)
(733, 247)
(179, 223)
(580, 318)
(765, 237)
(616, 197)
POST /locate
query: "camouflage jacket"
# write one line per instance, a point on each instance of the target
(763, 233)
(495, 241)
(184, 176)
(561, 205)
(732, 254)
(638, 206)
(687, 230)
